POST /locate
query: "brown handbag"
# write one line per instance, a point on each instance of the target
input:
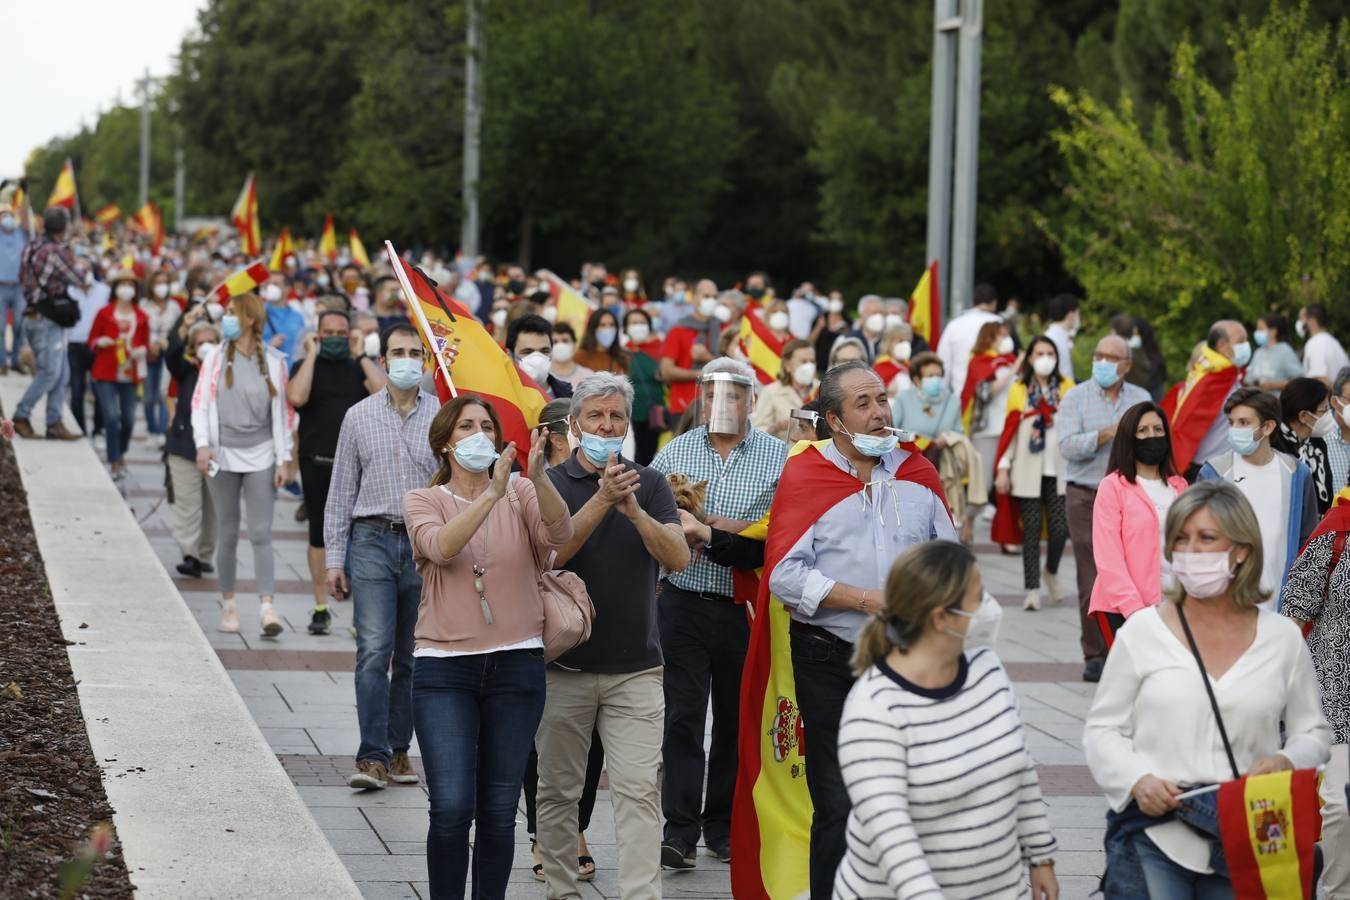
(568, 610)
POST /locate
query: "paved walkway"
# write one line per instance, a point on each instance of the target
(299, 689)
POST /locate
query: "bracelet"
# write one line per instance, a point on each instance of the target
(862, 604)
(1048, 861)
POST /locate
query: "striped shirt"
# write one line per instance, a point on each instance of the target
(946, 801)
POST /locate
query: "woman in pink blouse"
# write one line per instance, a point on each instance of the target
(480, 537)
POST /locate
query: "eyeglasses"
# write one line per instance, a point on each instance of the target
(556, 425)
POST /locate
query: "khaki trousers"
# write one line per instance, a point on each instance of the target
(194, 518)
(1335, 827)
(629, 712)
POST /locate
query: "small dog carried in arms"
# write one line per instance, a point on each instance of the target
(689, 495)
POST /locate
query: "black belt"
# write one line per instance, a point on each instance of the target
(1081, 487)
(705, 595)
(816, 631)
(384, 524)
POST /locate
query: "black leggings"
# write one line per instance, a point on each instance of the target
(1050, 505)
(594, 763)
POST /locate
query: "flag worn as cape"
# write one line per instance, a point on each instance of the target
(241, 282)
(925, 307)
(358, 250)
(1268, 825)
(328, 240)
(764, 351)
(1194, 404)
(888, 368)
(1007, 524)
(983, 367)
(244, 217)
(63, 192)
(771, 814)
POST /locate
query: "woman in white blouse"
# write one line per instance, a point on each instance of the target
(1151, 732)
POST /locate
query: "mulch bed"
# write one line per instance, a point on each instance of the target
(51, 792)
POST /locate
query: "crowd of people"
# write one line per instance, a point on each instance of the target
(1206, 515)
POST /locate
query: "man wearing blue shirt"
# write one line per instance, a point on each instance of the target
(13, 238)
(284, 324)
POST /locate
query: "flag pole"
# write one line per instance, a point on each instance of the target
(415, 304)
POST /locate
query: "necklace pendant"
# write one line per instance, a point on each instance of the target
(487, 610)
(478, 585)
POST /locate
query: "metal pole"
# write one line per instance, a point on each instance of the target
(473, 111)
(945, 25)
(179, 181)
(967, 157)
(145, 139)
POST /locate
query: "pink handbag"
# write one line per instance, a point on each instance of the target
(568, 610)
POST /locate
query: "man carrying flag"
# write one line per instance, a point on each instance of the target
(834, 528)
(1195, 406)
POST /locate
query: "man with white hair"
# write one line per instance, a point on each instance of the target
(704, 632)
(871, 325)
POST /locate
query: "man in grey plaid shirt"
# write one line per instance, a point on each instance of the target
(704, 633)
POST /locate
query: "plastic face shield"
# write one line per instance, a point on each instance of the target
(726, 402)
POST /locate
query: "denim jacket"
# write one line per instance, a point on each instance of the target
(1124, 877)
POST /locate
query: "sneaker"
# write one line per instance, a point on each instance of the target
(721, 849)
(229, 620)
(293, 488)
(207, 568)
(119, 480)
(24, 428)
(1052, 586)
(401, 770)
(191, 566)
(1033, 601)
(321, 622)
(271, 625)
(370, 775)
(674, 855)
(1092, 670)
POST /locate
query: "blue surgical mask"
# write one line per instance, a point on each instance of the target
(405, 373)
(476, 452)
(1105, 373)
(874, 445)
(1244, 440)
(1260, 337)
(229, 327)
(1242, 354)
(598, 449)
(932, 385)
(605, 336)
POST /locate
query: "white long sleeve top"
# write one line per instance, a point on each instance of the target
(1151, 716)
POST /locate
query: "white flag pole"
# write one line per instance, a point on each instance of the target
(415, 304)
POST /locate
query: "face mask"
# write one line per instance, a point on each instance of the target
(334, 348)
(203, 348)
(874, 445)
(1005, 346)
(984, 623)
(515, 287)
(321, 280)
(499, 318)
(1202, 575)
(723, 314)
(161, 291)
(756, 293)
(1301, 328)
(836, 306)
(361, 299)
(598, 449)
(563, 352)
(1135, 342)
(707, 306)
(372, 345)
(605, 336)
(1072, 324)
(779, 321)
(405, 373)
(126, 292)
(8, 222)
(805, 374)
(678, 296)
(932, 385)
(638, 334)
(874, 323)
(1324, 426)
(1105, 373)
(272, 293)
(1242, 354)
(894, 320)
(630, 285)
(536, 366)
(1243, 440)
(901, 350)
(229, 327)
(1260, 337)
(1044, 366)
(476, 452)
(1151, 451)
(215, 311)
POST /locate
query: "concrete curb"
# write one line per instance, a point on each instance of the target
(203, 807)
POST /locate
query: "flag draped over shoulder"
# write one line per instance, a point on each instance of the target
(358, 250)
(1268, 825)
(925, 307)
(983, 367)
(764, 351)
(149, 220)
(244, 217)
(63, 192)
(771, 814)
(1194, 404)
(1007, 524)
(573, 308)
(241, 282)
(328, 241)
(284, 248)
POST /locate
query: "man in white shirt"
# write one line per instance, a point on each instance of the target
(958, 337)
(1323, 355)
(1063, 316)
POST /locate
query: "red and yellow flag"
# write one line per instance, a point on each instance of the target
(468, 360)
(241, 282)
(328, 241)
(283, 249)
(983, 367)
(759, 344)
(358, 250)
(1194, 404)
(63, 192)
(244, 217)
(149, 220)
(108, 214)
(1268, 825)
(573, 308)
(925, 307)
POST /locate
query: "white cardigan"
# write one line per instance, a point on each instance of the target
(1151, 716)
(206, 413)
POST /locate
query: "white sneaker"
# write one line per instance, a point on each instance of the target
(987, 514)
(271, 625)
(1033, 601)
(229, 620)
(1052, 586)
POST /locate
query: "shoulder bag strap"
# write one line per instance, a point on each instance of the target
(1209, 689)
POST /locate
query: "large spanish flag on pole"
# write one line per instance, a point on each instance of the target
(358, 249)
(108, 214)
(763, 349)
(63, 192)
(328, 241)
(925, 307)
(771, 814)
(1268, 825)
(244, 217)
(284, 248)
(467, 359)
(1194, 404)
(241, 282)
(149, 220)
(573, 308)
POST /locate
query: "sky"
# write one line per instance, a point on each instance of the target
(104, 49)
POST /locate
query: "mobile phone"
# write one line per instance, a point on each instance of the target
(212, 467)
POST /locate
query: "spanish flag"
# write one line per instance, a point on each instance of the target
(241, 282)
(63, 192)
(108, 214)
(771, 814)
(925, 307)
(1268, 825)
(573, 308)
(358, 250)
(1194, 404)
(149, 220)
(283, 249)
(468, 360)
(983, 367)
(328, 242)
(1007, 524)
(244, 217)
(764, 350)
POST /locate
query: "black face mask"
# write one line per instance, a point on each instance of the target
(1151, 451)
(515, 287)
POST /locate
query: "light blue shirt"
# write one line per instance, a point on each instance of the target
(1085, 411)
(856, 541)
(11, 249)
(913, 411)
(286, 322)
(1273, 362)
(669, 314)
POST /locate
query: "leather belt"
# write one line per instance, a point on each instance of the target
(816, 631)
(704, 595)
(393, 525)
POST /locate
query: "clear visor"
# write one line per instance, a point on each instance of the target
(726, 402)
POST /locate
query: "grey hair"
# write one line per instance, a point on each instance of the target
(845, 342)
(831, 395)
(202, 325)
(733, 366)
(603, 384)
(1237, 521)
(870, 298)
(733, 296)
(1342, 379)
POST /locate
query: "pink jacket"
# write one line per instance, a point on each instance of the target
(1126, 546)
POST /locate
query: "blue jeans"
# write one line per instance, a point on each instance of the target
(11, 301)
(53, 370)
(156, 406)
(476, 717)
(1168, 881)
(386, 591)
(117, 405)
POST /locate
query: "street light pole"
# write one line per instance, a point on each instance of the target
(473, 111)
(145, 139)
(945, 26)
(967, 157)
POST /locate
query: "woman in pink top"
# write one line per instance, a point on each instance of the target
(480, 538)
(1128, 518)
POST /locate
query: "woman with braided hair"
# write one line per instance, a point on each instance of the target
(242, 425)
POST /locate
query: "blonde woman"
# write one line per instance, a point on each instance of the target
(796, 383)
(1152, 730)
(242, 427)
(945, 796)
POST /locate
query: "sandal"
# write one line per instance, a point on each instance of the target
(537, 868)
(585, 868)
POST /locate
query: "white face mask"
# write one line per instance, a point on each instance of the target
(1203, 575)
(1043, 366)
(203, 348)
(563, 351)
(161, 290)
(779, 321)
(126, 292)
(630, 285)
(215, 311)
(707, 306)
(901, 350)
(499, 317)
(722, 313)
(638, 333)
(1325, 425)
(1302, 328)
(875, 323)
(372, 345)
(804, 375)
(272, 293)
(836, 306)
(1005, 345)
(550, 313)
(536, 366)
(984, 623)
(894, 320)
(1136, 342)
